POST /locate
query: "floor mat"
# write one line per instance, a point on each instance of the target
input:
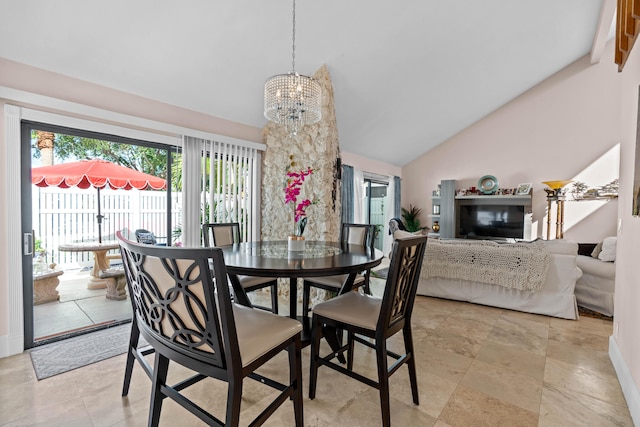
(62, 356)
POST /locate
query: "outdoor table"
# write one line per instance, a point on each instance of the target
(272, 259)
(100, 260)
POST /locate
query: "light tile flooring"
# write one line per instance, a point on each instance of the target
(78, 307)
(477, 366)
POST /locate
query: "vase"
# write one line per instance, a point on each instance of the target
(435, 227)
(296, 243)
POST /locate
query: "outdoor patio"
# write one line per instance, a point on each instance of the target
(78, 308)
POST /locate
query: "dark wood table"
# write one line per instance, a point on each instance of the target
(272, 259)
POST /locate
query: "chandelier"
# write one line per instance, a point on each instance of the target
(292, 100)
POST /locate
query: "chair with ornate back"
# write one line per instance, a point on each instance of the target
(183, 308)
(377, 319)
(228, 233)
(358, 234)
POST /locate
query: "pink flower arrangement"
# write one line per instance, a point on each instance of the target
(292, 188)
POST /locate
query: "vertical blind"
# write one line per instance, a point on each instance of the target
(222, 181)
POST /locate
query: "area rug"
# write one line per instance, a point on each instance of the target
(72, 353)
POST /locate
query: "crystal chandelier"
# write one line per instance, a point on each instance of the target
(292, 99)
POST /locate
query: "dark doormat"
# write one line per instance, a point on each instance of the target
(62, 356)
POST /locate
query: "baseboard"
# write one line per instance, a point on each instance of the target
(4, 346)
(10, 345)
(629, 389)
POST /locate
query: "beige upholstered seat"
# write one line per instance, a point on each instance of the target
(355, 234)
(183, 309)
(258, 331)
(228, 233)
(376, 320)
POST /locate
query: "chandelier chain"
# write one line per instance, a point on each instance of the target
(293, 47)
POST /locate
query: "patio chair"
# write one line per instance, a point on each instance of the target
(359, 234)
(371, 321)
(147, 237)
(183, 308)
(228, 233)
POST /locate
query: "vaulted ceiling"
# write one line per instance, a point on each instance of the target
(407, 75)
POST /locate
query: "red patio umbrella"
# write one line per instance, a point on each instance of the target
(95, 173)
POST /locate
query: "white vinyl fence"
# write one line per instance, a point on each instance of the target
(68, 215)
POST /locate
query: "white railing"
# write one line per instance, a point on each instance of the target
(62, 216)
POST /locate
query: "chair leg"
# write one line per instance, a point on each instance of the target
(295, 377)
(316, 335)
(383, 381)
(411, 363)
(133, 344)
(306, 290)
(159, 379)
(367, 281)
(351, 344)
(367, 288)
(234, 398)
(274, 297)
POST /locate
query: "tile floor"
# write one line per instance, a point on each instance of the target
(77, 308)
(477, 366)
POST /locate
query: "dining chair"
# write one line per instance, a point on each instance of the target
(228, 233)
(358, 234)
(183, 309)
(371, 321)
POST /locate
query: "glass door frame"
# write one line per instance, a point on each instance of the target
(367, 184)
(26, 128)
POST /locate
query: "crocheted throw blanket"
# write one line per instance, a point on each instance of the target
(521, 266)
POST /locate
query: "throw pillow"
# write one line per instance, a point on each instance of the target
(608, 252)
(597, 250)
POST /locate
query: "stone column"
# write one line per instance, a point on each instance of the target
(314, 146)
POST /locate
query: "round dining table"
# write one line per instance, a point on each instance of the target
(273, 259)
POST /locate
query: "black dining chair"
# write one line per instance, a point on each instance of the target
(183, 309)
(371, 321)
(228, 233)
(358, 234)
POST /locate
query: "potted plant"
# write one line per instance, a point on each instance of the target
(411, 220)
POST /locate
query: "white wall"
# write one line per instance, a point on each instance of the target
(579, 123)
(557, 130)
(369, 165)
(625, 340)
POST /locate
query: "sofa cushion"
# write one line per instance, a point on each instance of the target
(402, 234)
(561, 246)
(597, 250)
(608, 252)
(595, 267)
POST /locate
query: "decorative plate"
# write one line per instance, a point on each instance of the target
(488, 184)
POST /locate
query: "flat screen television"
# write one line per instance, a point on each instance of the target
(491, 222)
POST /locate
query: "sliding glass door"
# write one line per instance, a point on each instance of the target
(62, 295)
(375, 202)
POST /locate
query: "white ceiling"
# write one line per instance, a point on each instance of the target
(407, 75)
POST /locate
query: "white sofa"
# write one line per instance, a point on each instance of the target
(556, 298)
(596, 287)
